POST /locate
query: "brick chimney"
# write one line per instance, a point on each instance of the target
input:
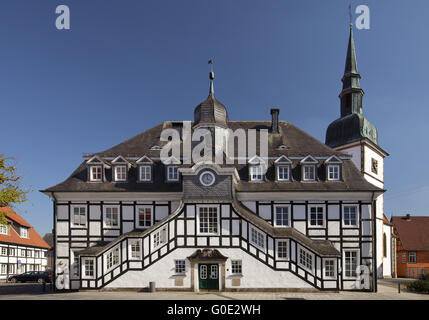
(275, 120)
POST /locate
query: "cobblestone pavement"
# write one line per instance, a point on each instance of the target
(30, 291)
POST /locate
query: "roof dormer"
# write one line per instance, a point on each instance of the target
(309, 169)
(96, 167)
(145, 166)
(120, 169)
(283, 168)
(333, 168)
(257, 169)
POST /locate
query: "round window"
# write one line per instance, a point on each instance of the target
(207, 178)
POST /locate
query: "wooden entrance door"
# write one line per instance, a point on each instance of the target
(208, 275)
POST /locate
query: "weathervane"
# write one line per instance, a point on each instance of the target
(350, 14)
(211, 76)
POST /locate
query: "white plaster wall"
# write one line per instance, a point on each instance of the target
(387, 261)
(255, 273)
(355, 152)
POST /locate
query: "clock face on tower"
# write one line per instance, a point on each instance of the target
(207, 178)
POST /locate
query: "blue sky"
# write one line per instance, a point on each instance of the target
(128, 65)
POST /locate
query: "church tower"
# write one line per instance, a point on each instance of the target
(353, 133)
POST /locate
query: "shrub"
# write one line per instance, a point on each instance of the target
(421, 286)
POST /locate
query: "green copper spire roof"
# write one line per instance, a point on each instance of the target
(352, 125)
(351, 64)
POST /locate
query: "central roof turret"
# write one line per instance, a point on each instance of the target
(211, 111)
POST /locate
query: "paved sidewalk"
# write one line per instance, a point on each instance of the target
(33, 292)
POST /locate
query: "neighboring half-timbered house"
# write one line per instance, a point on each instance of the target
(303, 216)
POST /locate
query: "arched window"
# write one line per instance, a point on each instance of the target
(384, 245)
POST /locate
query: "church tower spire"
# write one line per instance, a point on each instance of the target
(352, 94)
(352, 125)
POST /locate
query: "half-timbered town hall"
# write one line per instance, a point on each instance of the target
(304, 216)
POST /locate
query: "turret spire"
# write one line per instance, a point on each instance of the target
(351, 95)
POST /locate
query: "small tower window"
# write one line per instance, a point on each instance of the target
(374, 166)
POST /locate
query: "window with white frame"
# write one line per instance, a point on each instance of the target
(283, 173)
(96, 173)
(29, 253)
(350, 216)
(88, 267)
(144, 217)
(145, 173)
(404, 257)
(159, 237)
(121, 173)
(257, 238)
(180, 267)
(11, 268)
(316, 216)
(3, 251)
(309, 172)
(236, 267)
(412, 257)
(172, 173)
(208, 219)
(350, 263)
(256, 173)
(333, 172)
(79, 216)
(281, 217)
(135, 249)
(112, 258)
(4, 229)
(282, 249)
(24, 232)
(330, 268)
(3, 268)
(111, 217)
(12, 252)
(305, 259)
(37, 254)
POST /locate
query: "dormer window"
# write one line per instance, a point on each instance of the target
(257, 168)
(96, 173)
(24, 232)
(283, 173)
(333, 172)
(309, 172)
(172, 173)
(256, 173)
(145, 173)
(121, 173)
(145, 169)
(309, 165)
(333, 168)
(283, 168)
(4, 229)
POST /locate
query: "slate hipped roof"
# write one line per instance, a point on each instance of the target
(299, 144)
(413, 232)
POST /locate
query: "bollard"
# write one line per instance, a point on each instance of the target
(152, 286)
(399, 287)
(44, 286)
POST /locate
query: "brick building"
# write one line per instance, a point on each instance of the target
(412, 245)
